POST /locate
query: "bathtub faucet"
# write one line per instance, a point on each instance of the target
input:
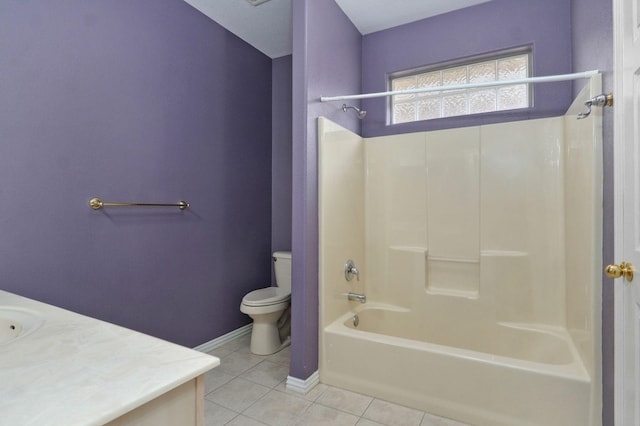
(357, 297)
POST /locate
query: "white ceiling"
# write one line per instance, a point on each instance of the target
(379, 15)
(267, 27)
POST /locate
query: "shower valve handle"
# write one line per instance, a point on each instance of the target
(350, 270)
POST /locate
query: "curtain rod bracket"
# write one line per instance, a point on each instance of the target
(601, 100)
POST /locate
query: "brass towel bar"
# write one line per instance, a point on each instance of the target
(96, 203)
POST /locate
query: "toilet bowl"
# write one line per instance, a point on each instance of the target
(268, 307)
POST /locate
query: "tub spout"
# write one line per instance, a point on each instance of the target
(357, 297)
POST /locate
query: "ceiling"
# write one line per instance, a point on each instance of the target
(267, 27)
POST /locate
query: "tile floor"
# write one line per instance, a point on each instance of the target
(248, 390)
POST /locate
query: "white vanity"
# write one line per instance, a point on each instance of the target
(61, 368)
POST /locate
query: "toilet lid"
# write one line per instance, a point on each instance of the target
(266, 296)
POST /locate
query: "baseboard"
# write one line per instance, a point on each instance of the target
(217, 342)
(303, 386)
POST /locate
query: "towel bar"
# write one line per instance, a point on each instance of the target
(96, 203)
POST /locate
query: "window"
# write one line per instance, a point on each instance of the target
(427, 106)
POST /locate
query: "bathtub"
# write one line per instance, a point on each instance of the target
(483, 374)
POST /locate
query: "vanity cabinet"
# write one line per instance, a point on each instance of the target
(182, 406)
(72, 370)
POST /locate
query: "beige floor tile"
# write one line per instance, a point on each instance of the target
(238, 394)
(281, 357)
(221, 352)
(217, 415)
(267, 373)
(237, 363)
(344, 400)
(277, 408)
(392, 414)
(321, 415)
(215, 378)
(244, 421)
(367, 422)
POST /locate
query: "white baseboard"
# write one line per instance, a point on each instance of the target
(216, 343)
(303, 386)
(293, 383)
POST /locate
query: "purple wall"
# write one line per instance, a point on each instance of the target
(326, 60)
(144, 101)
(281, 162)
(488, 27)
(592, 35)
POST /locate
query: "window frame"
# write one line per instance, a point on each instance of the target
(460, 62)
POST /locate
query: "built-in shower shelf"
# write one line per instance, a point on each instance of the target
(453, 276)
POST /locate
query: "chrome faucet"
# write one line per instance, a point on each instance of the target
(357, 297)
(350, 270)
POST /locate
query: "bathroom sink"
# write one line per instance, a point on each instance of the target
(17, 322)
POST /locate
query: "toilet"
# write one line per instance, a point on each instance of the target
(269, 309)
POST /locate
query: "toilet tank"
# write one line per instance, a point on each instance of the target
(282, 266)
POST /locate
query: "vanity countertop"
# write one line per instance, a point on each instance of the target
(76, 370)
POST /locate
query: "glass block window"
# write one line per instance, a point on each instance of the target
(427, 106)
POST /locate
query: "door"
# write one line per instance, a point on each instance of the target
(626, 15)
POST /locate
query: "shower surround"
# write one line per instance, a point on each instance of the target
(479, 251)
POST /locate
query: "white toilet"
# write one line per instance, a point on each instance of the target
(269, 309)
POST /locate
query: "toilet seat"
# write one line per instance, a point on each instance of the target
(266, 296)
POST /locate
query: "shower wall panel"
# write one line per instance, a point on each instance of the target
(482, 207)
(341, 226)
(453, 213)
(395, 206)
(453, 193)
(583, 189)
(522, 212)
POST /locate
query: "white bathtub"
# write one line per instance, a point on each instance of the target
(505, 374)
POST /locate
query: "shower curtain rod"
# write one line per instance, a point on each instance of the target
(544, 79)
